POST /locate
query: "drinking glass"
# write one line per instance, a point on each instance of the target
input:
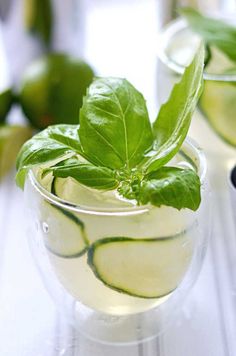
(214, 124)
(118, 274)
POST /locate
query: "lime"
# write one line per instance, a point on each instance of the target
(38, 17)
(6, 99)
(11, 140)
(52, 90)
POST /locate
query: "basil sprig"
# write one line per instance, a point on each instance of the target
(115, 117)
(214, 32)
(115, 146)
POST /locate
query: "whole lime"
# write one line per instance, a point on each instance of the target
(6, 100)
(11, 140)
(52, 89)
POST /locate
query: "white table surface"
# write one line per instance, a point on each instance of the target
(206, 326)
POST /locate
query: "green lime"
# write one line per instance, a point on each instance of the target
(218, 104)
(38, 16)
(52, 90)
(11, 140)
(6, 100)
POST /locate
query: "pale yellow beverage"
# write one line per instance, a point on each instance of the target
(110, 254)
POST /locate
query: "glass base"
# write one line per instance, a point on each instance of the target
(76, 344)
(91, 333)
(121, 330)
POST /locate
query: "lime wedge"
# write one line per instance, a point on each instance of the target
(11, 140)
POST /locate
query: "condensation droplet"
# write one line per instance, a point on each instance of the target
(45, 228)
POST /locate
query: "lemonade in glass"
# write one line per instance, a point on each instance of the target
(107, 252)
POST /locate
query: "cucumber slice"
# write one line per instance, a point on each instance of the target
(72, 191)
(145, 268)
(219, 63)
(218, 105)
(46, 180)
(64, 233)
(57, 187)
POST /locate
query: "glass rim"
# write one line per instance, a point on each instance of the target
(188, 145)
(165, 35)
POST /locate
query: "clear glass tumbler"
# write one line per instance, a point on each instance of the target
(119, 275)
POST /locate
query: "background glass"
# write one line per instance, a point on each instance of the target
(176, 45)
(168, 9)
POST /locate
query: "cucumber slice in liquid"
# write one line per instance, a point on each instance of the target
(145, 268)
(218, 105)
(64, 233)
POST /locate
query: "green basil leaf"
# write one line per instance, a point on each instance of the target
(88, 174)
(208, 55)
(171, 186)
(66, 134)
(69, 161)
(115, 130)
(212, 31)
(174, 118)
(48, 145)
(21, 176)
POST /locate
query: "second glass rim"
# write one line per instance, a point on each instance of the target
(167, 33)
